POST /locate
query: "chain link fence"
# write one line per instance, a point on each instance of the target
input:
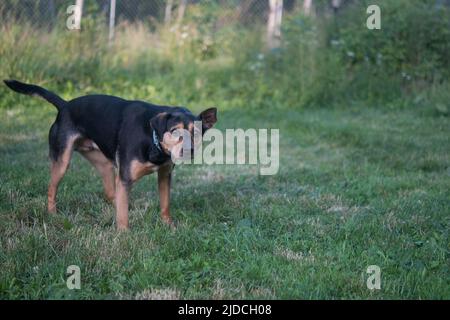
(211, 15)
(46, 13)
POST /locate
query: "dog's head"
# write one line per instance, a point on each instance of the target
(174, 128)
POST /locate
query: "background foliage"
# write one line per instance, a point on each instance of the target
(325, 58)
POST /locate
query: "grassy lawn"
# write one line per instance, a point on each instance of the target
(356, 187)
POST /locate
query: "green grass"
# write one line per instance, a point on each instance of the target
(356, 187)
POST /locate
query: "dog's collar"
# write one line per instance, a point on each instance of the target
(156, 141)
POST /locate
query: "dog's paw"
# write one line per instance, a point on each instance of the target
(169, 222)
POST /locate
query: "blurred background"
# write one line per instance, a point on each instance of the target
(236, 53)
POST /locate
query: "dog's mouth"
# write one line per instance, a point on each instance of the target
(179, 144)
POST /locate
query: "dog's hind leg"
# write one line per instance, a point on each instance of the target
(105, 168)
(60, 154)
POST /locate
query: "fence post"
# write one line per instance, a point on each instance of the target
(274, 23)
(112, 18)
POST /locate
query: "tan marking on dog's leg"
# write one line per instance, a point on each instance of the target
(105, 167)
(57, 170)
(121, 205)
(164, 182)
(139, 169)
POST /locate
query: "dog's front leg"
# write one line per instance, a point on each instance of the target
(164, 181)
(122, 190)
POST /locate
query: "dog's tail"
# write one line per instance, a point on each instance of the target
(30, 89)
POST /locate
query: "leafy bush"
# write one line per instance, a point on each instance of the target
(414, 39)
(337, 59)
(410, 51)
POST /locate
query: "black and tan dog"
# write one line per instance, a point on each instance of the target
(132, 138)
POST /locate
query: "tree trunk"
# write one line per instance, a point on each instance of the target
(112, 20)
(336, 4)
(181, 10)
(168, 12)
(79, 13)
(274, 23)
(307, 4)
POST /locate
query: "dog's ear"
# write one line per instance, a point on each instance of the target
(208, 118)
(159, 123)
